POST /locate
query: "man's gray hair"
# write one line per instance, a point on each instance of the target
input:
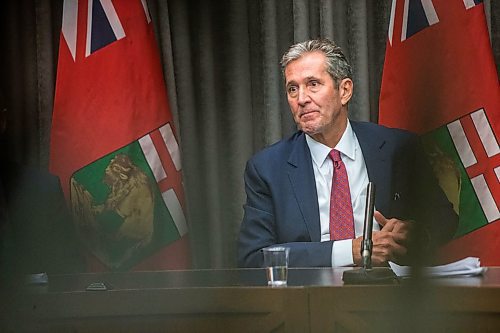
(336, 63)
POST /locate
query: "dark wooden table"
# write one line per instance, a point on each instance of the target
(239, 300)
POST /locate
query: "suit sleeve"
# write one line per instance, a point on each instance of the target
(260, 228)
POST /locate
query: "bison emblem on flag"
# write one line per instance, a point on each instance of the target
(440, 80)
(465, 156)
(123, 206)
(112, 142)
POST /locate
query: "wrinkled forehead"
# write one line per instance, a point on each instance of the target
(310, 64)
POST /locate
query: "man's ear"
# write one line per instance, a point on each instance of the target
(345, 90)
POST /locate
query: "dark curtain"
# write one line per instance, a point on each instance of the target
(221, 65)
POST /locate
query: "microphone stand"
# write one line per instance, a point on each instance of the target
(367, 245)
(367, 274)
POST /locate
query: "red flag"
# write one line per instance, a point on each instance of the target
(113, 141)
(440, 80)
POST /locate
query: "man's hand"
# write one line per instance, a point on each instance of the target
(389, 244)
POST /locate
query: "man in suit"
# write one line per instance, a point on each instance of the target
(296, 189)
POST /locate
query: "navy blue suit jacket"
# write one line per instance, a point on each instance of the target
(282, 204)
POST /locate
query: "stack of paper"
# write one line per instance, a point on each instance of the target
(466, 267)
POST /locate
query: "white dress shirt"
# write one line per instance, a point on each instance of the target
(351, 155)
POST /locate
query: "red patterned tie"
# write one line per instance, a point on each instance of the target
(341, 219)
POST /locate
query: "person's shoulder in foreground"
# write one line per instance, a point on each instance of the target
(39, 235)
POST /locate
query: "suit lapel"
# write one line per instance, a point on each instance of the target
(376, 153)
(301, 175)
(378, 163)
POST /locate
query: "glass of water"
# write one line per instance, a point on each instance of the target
(276, 264)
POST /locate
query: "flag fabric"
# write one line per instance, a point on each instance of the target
(113, 142)
(440, 81)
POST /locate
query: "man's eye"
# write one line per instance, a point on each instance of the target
(292, 90)
(314, 85)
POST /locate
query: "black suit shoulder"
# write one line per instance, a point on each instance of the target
(381, 131)
(281, 148)
(40, 235)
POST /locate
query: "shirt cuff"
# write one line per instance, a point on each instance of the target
(342, 253)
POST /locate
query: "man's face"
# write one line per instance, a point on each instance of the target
(316, 105)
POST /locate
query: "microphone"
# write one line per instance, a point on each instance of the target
(367, 274)
(367, 245)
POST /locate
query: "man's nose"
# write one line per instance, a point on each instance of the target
(303, 97)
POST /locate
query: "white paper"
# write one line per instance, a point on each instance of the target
(469, 266)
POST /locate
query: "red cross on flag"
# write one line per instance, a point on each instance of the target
(113, 144)
(440, 80)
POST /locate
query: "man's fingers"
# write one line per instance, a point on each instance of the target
(393, 224)
(399, 238)
(380, 218)
(382, 254)
(390, 243)
(356, 250)
(403, 227)
(387, 246)
(387, 224)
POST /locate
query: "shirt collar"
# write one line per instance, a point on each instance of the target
(346, 146)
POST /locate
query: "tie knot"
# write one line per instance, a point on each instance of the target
(335, 155)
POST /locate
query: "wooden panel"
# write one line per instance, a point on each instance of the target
(404, 308)
(239, 300)
(349, 308)
(172, 310)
